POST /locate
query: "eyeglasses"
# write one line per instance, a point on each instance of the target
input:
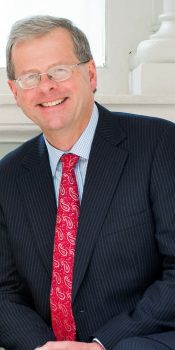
(57, 73)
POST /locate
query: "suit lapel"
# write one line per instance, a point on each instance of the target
(105, 167)
(37, 192)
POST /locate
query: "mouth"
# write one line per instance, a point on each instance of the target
(53, 103)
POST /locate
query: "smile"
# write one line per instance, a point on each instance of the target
(53, 103)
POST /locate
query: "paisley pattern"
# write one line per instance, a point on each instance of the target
(63, 256)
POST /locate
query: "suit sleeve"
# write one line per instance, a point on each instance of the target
(21, 328)
(155, 312)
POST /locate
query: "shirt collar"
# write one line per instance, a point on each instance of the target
(81, 148)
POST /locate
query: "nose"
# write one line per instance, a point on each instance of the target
(46, 84)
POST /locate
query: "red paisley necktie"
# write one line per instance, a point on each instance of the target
(63, 255)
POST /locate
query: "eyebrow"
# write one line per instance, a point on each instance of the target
(28, 72)
(31, 70)
(38, 71)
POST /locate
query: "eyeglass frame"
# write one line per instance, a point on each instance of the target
(70, 67)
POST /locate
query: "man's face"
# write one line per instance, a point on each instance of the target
(72, 99)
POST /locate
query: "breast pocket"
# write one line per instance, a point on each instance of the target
(117, 224)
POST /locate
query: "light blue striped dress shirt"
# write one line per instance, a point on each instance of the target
(81, 148)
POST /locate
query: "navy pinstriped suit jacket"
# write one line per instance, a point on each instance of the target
(124, 274)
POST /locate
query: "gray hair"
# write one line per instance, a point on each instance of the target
(40, 25)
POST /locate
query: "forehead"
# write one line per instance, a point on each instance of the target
(40, 52)
(56, 37)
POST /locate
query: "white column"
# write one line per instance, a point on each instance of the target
(153, 70)
(168, 6)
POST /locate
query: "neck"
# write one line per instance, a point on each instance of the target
(65, 140)
(64, 144)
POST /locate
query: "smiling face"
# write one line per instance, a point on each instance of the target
(62, 110)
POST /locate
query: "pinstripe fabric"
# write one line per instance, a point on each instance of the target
(138, 343)
(124, 274)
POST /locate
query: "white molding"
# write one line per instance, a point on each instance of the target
(17, 133)
(135, 99)
(6, 99)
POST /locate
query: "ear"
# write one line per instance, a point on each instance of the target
(92, 74)
(13, 88)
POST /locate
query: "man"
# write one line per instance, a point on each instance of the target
(123, 252)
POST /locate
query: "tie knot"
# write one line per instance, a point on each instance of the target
(69, 161)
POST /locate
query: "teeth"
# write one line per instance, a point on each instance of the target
(53, 103)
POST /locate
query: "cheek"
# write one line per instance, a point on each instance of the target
(24, 99)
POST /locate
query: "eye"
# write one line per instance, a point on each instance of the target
(30, 77)
(58, 71)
